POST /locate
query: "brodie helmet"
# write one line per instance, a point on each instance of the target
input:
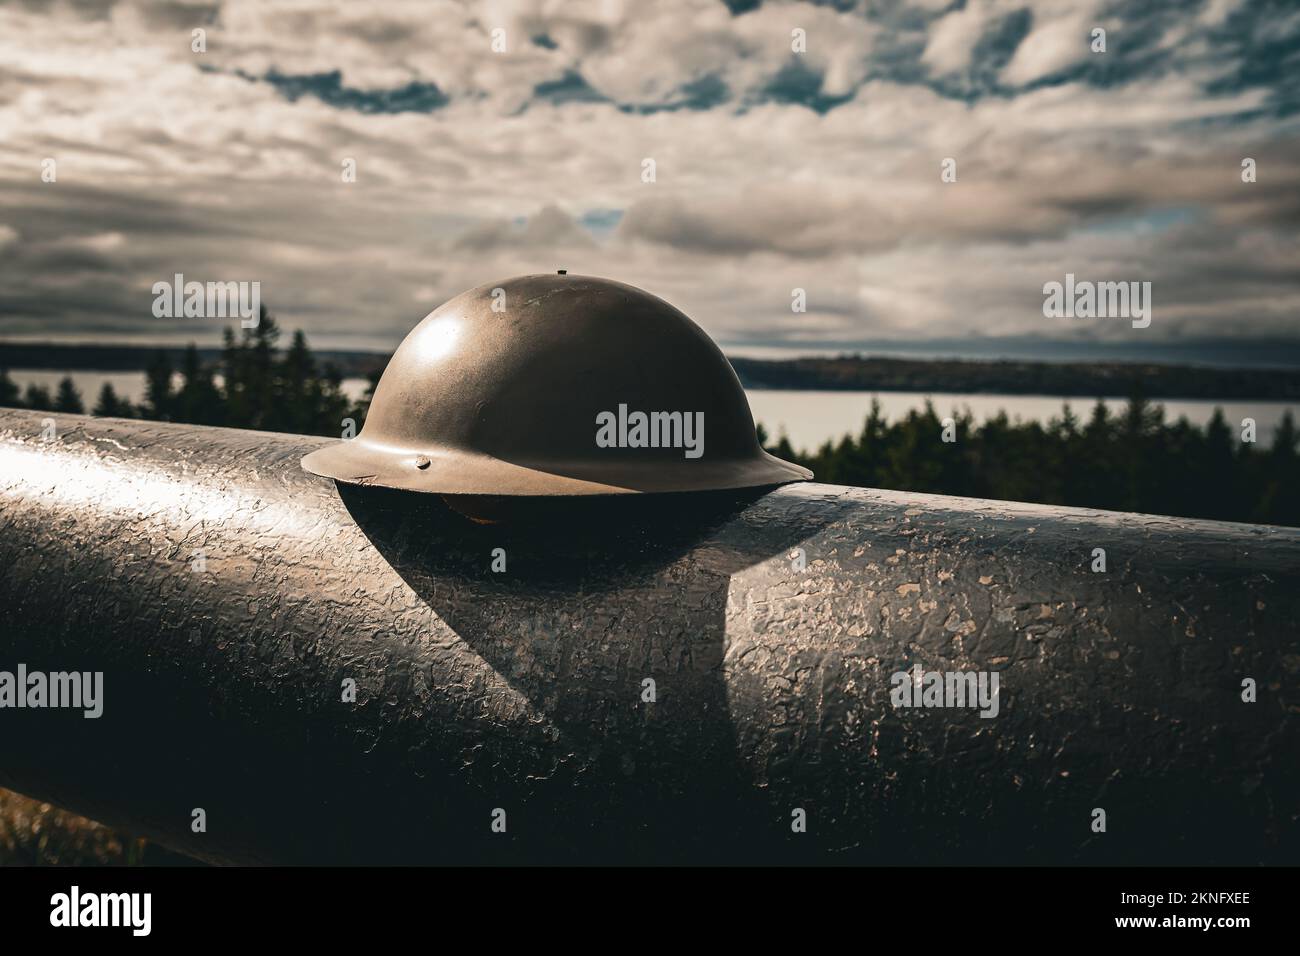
(556, 385)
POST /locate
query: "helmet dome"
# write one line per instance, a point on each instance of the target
(556, 385)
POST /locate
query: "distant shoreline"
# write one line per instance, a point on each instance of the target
(136, 358)
(1019, 377)
(848, 373)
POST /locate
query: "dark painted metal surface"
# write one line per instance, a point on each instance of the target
(523, 690)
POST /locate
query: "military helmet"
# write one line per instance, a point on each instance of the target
(556, 385)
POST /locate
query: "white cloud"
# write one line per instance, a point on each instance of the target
(1216, 12)
(1053, 45)
(164, 167)
(952, 39)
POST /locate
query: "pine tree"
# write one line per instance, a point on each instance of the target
(1279, 501)
(9, 394)
(158, 396)
(1219, 487)
(198, 401)
(68, 398)
(110, 405)
(37, 398)
(298, 409)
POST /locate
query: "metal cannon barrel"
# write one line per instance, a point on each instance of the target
(351, 674)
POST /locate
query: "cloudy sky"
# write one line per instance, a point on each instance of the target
(774, 169)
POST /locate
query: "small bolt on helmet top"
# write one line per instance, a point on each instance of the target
(556, 385)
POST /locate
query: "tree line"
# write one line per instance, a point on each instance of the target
(1130, 461)
(255, 384)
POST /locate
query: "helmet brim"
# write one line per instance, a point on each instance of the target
(357, 461)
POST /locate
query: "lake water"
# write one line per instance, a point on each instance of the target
(809, 417)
